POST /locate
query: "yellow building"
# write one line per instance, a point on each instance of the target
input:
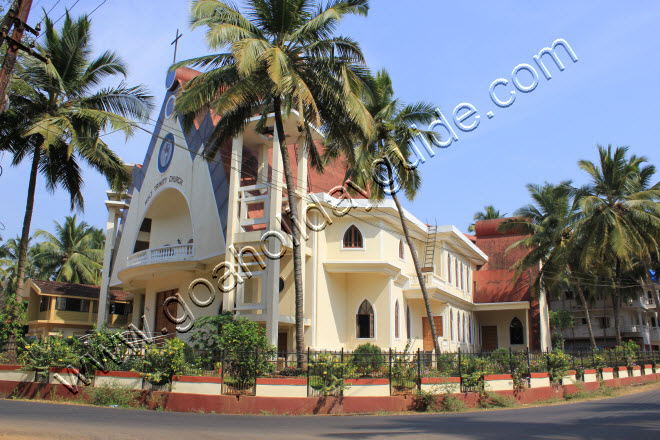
(71, 309)
(187, 223)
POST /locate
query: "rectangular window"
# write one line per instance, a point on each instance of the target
(72, 304)
(604, 322)
(122, 309)
(462, 276)
(44, 303)
(569, 294)
(584, 321)
(456, 270)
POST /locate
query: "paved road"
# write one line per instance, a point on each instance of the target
(632, 417)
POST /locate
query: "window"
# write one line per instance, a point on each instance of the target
(123, 309)
(458, 325)
(448, 268)
(44, 303)
(408, 322)
(653, 324)
(451, 324)
(401, 249)
(353, 238)
(397, 334)
(456, 270)
(469, 281)
(604, 322)
(72, 304)
(569, 294)
(584, 321)
(364, 321)
(470, 329)
(516, 333)
(461, 276)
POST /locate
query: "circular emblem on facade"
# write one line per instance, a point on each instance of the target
(165, 153)
(170, 80)
(169, 107)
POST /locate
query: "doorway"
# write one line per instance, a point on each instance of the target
(488, 338)
(163, 324)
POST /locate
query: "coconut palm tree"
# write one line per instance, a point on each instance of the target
(620, 220)
(385, 157)
(488, 213)
(58, 114)
(9, 264)
(69, 254)
(283, 56)
(552, 244)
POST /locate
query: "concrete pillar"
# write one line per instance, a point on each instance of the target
(114, 213)
(274, 244)
(233, 221)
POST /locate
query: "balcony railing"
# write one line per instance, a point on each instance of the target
(162, 254)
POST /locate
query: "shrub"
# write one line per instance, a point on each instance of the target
(52, 351)
(450, 403)
(327, 374)
(367, 359)
(404, 369)
(160, 364)
(626, 353)
(12, 321)
(113, 394)
(424, 401)
(558, 363)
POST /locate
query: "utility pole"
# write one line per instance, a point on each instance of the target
(16, 17)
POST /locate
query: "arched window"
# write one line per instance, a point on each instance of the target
(516, 332)
(449, 269)
(470, 329)
(451, 324)
(408, 322)
(397, 334)
(462, 277)
(458, 325)
(364, 321)
(353, 238)
(401, 250)
(456, 269)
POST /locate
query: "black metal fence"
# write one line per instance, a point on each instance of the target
(329, 372)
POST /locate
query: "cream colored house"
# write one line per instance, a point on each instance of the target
(188, 225)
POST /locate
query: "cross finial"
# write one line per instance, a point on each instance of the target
(175, 43)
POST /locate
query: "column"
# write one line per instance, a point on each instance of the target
(114, 213)
(272, 290)
(233, 220)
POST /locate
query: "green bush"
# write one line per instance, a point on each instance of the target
(451, 403)
(52, 351)
(12, 321)
(327, 374)
(557, 363)
(160, 364)
(424, 401)
(367, 359)
(113, 394)
(626, 354)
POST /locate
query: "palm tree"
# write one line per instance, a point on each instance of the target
(488, 213)
(9, 264)
(620, 216)
(58, 115)
(551, 240)
(283, 56)
(69, 255)
(386, 154)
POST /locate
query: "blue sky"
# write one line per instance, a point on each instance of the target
(445, 53)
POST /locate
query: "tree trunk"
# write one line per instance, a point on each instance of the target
(587, 315)
(616, 303)
(418, 269)
(27, 220)
(295, 232)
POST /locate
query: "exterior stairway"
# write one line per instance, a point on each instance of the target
(429, 252)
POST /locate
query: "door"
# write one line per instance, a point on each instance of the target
(426, 331)
(164, 324)
(282, 344)
(488, 337)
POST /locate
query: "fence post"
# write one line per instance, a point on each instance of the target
(419, 369)
(342, 355)
(510, 361)
(256, 368)
(460, 375)
(389, 374)
(308, 368)
(529, 364)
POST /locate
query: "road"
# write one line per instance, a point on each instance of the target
(635, 416)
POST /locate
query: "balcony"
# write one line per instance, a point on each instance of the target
(434, 283)
(67, 317)
(163, 254)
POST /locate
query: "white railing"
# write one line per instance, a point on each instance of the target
(165, 253)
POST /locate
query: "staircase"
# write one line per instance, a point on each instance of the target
(429, 252)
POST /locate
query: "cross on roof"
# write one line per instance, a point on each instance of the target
(175, 43)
